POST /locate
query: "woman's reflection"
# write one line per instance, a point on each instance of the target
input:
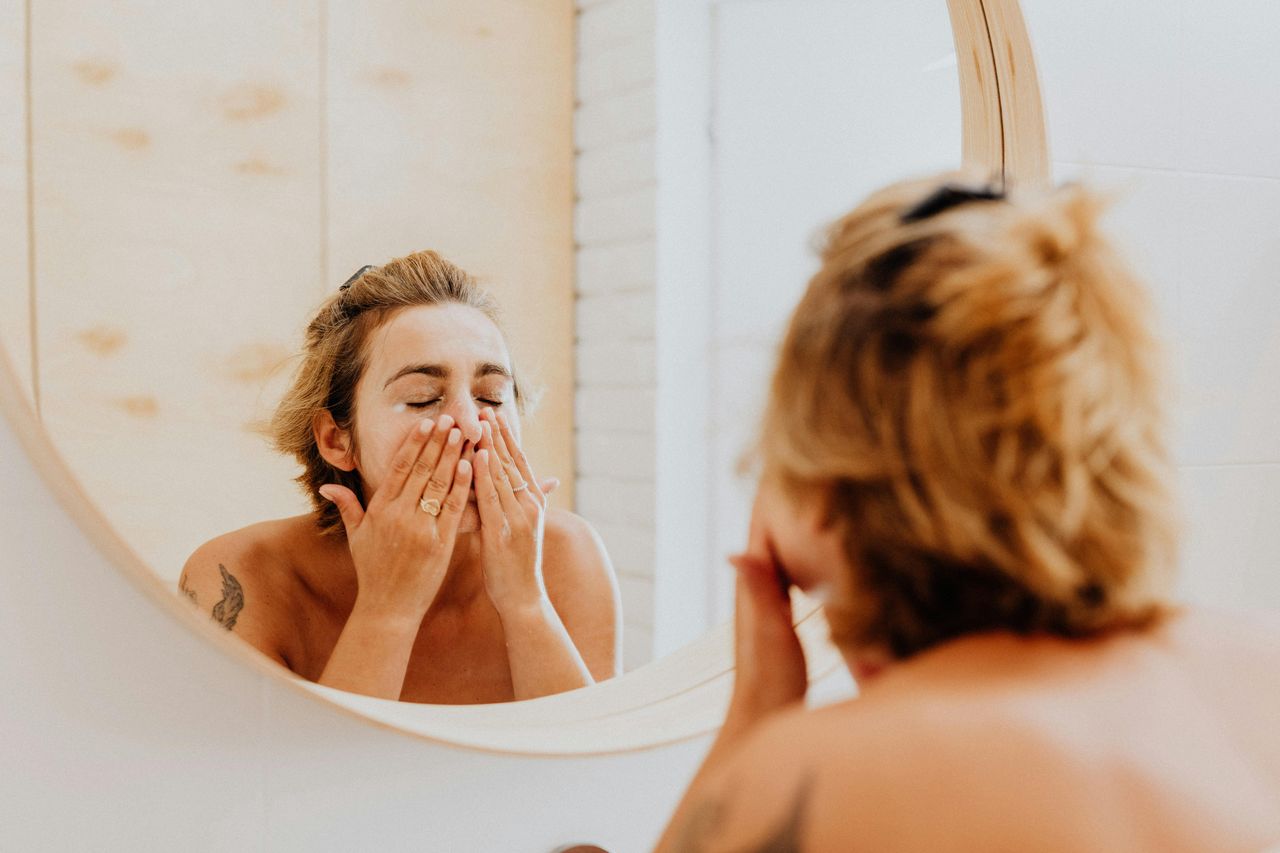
(430, 569)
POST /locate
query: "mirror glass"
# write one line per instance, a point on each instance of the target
(197, 183)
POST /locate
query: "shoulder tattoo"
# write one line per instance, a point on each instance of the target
(186, 590)
(228, 609)
(706, 821)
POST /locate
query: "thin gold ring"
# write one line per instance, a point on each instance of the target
(520, 487)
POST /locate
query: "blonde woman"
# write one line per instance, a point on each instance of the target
(430, 568)
(963, 451)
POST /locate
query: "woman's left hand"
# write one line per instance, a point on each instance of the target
(512, 509)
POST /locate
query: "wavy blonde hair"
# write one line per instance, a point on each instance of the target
(334, 358)
(978, 395)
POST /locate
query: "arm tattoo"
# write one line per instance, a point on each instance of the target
(182, 585)
(786, 838)
(226, 610)
(708, 817)
(704, 820)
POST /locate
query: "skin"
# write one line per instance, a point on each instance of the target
(495, 599)
(1134, 741)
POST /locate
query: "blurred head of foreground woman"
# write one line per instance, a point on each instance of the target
(963, 455)
(969, 403)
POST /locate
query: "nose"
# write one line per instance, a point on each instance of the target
(466, 415)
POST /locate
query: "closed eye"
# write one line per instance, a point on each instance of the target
(425, 403)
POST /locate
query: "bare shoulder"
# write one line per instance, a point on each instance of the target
(240, 579)
(582, 587)
(858, 775)
(576, 563)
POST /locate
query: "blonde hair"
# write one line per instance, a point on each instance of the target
(334, 358)
(978, 394)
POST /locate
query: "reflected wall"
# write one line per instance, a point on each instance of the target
(197, 179)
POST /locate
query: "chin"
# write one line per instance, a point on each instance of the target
(470, 521)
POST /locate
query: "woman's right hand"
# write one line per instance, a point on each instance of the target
(401, 552)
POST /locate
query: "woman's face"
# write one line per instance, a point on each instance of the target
(424, 362)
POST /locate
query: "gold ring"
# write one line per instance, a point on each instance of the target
(520, 487)
(430, 506)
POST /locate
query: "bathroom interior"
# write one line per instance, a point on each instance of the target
(640, 184)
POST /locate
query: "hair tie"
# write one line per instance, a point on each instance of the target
(948, 196)
(364, 269)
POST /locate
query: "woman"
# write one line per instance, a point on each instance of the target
(430, 569)
(963, 453)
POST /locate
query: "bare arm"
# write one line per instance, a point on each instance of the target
(401, 554)
(541, 653)
(222, 581)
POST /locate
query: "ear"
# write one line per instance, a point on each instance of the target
(333, 442)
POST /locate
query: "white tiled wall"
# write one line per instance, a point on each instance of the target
(1173, 103)
(615, 223)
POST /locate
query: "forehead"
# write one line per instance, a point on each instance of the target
(450, 334)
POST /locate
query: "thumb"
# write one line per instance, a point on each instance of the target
(348, 504)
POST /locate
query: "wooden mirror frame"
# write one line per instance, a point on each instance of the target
(683, 695)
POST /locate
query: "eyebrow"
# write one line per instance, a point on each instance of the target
(440, 371)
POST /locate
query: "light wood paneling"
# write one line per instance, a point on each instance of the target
(15, 288)
(177, 202)
(1026, 147)
(450, 128)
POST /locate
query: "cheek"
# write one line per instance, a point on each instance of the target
(378, 447)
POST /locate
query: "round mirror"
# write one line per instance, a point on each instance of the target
(639, 195)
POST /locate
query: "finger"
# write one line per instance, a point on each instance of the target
(521, 461)
(451, 513)
(403, 461)
(501, 478)
(765, 584)
(429, 460)
(347, 502)
(444, 473)
(549, 485)
(512, 474)
(487, 500)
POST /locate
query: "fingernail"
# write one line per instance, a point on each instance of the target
(325, 494)
(424, 426)
(445, 421)
(463, 466)
(455, 435)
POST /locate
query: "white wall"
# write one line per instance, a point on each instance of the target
(816, 104)
(1173, 104)
(121, 730)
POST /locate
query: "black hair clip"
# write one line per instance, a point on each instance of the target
(948, 196)
(364, 269)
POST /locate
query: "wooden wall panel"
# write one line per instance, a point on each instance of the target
(177, 162)
(15, 286)
(450, 128)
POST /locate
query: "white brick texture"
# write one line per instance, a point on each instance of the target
(614, 228)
